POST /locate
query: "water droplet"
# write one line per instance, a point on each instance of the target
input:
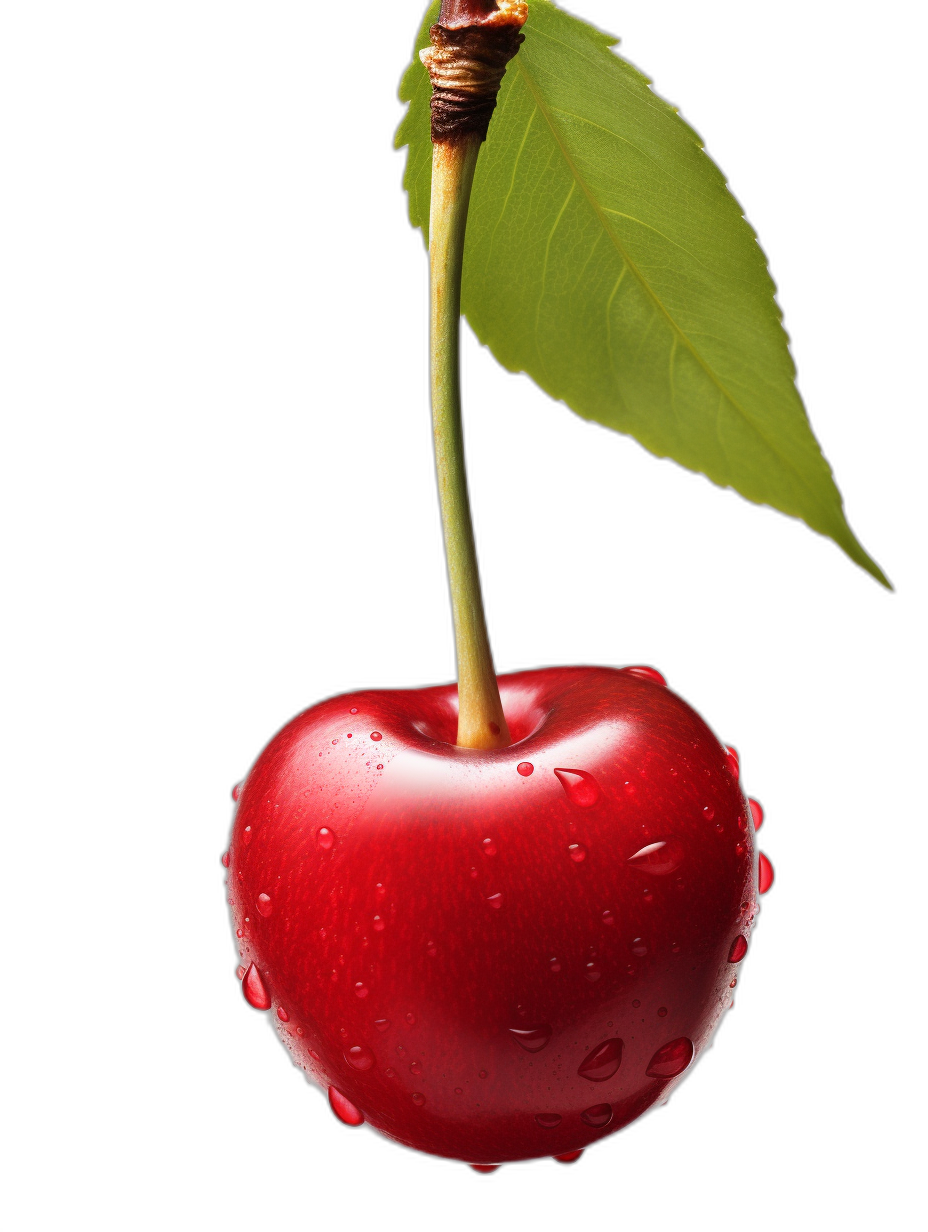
(739, 849)
(416, 1068)
(239, 932)
(757, 813)
(254, 990)
(732, 758)
(360, 1057)
(344, 1109)
(739, 947)
(570, 1157)
(360, 989)
(635, 1004)
(411, 1019)
(379, 924)
(581, 788)
(380, 767)
(400, 1050)
(246, 835)
(325, 838)
(548, 1120)
(495, 900)
(376, 736)
(764, 874)
(672, 1059)
(608, 917)
(708, 812)
(661, 859)
(639, 948)
(418, 1099)
(282, 1014)
(240, 971)
(603, 1062)
(237, 790)
(431, 949)
(577, 852)
(382, 1024)
(662, 1012)
(733, 983)
(353, 710)
(675, 947)
(592, 971)
(349, 736)
(647, 673)
(482, 1074)
(554, 964)
(459, 1090)
(532, 1039)
(525, 768)
(484, 1167)
(264, 904)
(380, 890)
(597, 1117)
(489, 847)
(225, 859)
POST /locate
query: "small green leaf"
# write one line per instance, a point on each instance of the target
(607, 259)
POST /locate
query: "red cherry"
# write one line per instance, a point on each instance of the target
(431, 928)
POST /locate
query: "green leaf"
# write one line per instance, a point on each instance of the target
(607, 259)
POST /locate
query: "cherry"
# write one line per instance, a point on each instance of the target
(438, 958)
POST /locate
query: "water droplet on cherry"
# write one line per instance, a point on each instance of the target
(325, 838)
(603, 1062)
(577, 852)
(489, 847)
(531, 1039)
(662, 1012)
(376, 736)
(264, 904)
(418, 1099)
(282, 1014)
(733, 763)
(554, 965)
(739, 947)
(592, 971)
(581, 788)
(639, 948)
(764, 874)
(548, 1120)
(415, 1068)
(661, 858)
(246, 835)
(525, 768)
(757, 813)
(344, 1109)
(254, 990)
(353, 710)
(608, 917)
(379, 924)
(411, 1019)
(708, 812)
(237, 790)
(225, 859)
(360, 1057)
(647, 673)
(495, 900)
(484, 1167)
(360, 989)
(672, 1059)
(382, 1024)
(597, 1117)
(240, 971)
(570, 1157)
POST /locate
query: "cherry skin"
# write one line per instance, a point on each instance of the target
(495, 955)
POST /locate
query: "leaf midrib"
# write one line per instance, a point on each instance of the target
(519, 63)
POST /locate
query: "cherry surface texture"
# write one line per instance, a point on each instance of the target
(495, 955)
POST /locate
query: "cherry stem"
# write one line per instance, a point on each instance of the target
(481, 722)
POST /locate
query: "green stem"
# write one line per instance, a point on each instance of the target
(481, 722)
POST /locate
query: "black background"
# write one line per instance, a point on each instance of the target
(302, 547)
